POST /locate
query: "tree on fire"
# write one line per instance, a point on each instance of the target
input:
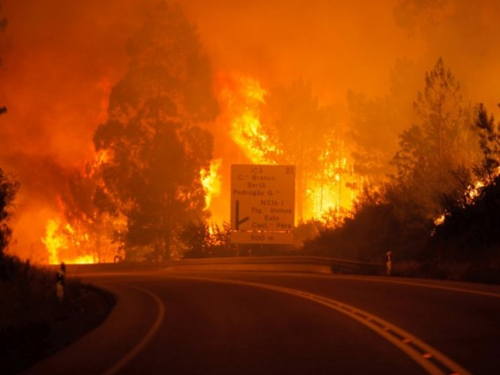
(153, 135)
(304, 132)
(469, 232)
(90, 215)
(436, 160)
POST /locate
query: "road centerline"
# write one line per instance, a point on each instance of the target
(422, 285)
(429, 358)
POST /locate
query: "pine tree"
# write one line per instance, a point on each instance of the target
(440, 144)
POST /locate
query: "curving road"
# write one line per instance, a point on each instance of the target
(272, 323)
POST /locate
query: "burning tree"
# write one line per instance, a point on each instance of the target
(91, 220)
(154, 137)
(467, 232)
(435, 163)
(287, 125)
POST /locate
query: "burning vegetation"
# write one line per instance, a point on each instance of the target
(140, 170)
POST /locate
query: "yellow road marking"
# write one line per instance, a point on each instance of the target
(425, 285)
(433, 361)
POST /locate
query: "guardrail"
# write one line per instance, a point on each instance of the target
(281, 264)
(311, 264)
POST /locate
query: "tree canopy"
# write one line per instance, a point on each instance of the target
(154, 140)
(441, 144)
(436, 162)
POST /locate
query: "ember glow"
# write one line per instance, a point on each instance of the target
(64, 243)
(471, 194)
(101, 157)
(53, 242)
(327, 188)
(242, 98)
(339, 47)
(211, 181)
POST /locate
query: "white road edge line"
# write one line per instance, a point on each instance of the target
(423, 285)
(370, 321)
(145, 340)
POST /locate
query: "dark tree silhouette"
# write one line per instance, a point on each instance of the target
(154, 138)
(442, 143)
(8, 190)
(489, 141)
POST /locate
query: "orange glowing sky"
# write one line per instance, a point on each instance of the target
(60, 58)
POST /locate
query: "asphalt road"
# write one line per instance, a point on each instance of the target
(272, 323)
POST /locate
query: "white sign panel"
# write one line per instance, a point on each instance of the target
(262, 201)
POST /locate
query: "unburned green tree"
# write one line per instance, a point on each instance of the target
(154, 136)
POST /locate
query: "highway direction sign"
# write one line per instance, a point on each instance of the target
(262, 203)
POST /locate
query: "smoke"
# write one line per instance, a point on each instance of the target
(60, 59)
(335, 45)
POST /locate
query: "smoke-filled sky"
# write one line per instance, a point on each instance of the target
(60, 58)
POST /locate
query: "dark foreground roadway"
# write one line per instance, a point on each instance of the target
(258, 323)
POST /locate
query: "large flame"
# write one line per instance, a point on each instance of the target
(328, 191)
(101, 157)
(53, 242)
(326, 188)
(243, 97)
(211, 181)
(63, 242)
